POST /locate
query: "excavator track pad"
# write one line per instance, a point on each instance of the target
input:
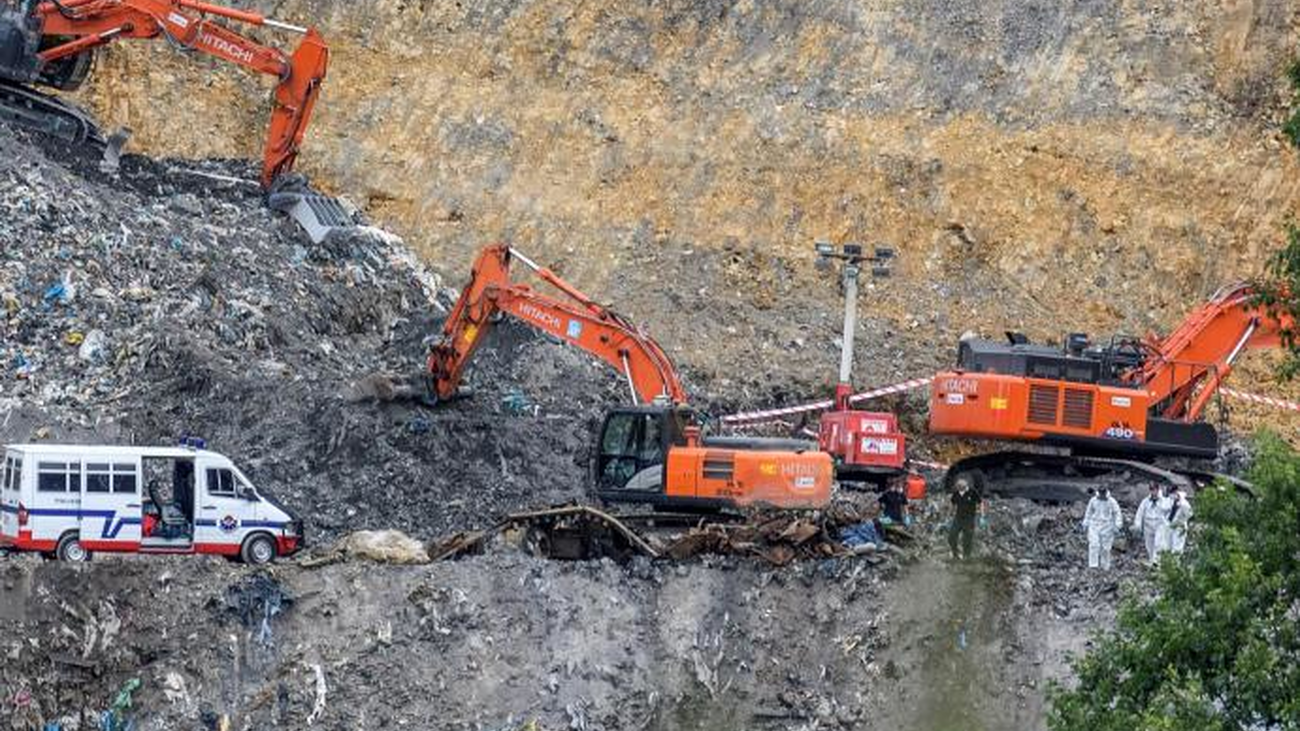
(47, 115)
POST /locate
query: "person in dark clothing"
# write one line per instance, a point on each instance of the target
(965, 502)
(893, 503)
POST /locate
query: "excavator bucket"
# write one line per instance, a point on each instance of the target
(321, 216)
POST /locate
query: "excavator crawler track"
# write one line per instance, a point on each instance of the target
(1066, 478)
(46, 114)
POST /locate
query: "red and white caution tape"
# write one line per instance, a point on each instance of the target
(774, 414)
(1256, 398)
(750, 417)
(910, 385)
(765, 425)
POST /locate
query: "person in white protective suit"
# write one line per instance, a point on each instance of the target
(1163, 506)
(1175, 512)
(1147, 522)
(1102, 519)
(1178, 517)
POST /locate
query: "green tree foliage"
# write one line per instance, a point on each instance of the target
(1291, 128)
(1273, 293)
(1218, 647)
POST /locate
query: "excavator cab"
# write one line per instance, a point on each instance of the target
(655, 454)
(632, 451)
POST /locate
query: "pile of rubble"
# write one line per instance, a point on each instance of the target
(105, 289)
(164, 302)
(849, 527)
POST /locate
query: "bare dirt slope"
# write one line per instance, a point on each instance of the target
(1049, 167)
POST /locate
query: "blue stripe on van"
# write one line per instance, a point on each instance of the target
(244, 523)
(9, 509)
(113, 528)
(117, 527)
(110, 530)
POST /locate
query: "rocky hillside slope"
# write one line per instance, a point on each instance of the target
(1081, 166)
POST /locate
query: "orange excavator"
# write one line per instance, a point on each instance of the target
(1106, 410)
(52, 43)
(652, 451)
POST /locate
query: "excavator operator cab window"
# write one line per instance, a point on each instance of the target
(632, 452)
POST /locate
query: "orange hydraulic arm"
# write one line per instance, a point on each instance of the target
(579, 321)
(1185, 369)
(82, 25)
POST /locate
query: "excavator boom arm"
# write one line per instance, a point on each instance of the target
(86, 24)
(1186, 368)
(578, 321)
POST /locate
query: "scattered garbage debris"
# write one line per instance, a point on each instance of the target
(517, 403)
(60, 293)
(568, 532)
(255, 601)
(115, 718)
(191, 315)
(777, 537)
(318, 706)
(93, 347)
(384, 546)
(582, 532)
(862, 535)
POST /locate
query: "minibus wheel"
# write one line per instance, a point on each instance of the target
(258, 549)
(71, 550)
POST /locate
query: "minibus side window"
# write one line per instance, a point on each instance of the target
(124, 478)
(97, 477)
(57, 476)
(11, 474)
(221, 483)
